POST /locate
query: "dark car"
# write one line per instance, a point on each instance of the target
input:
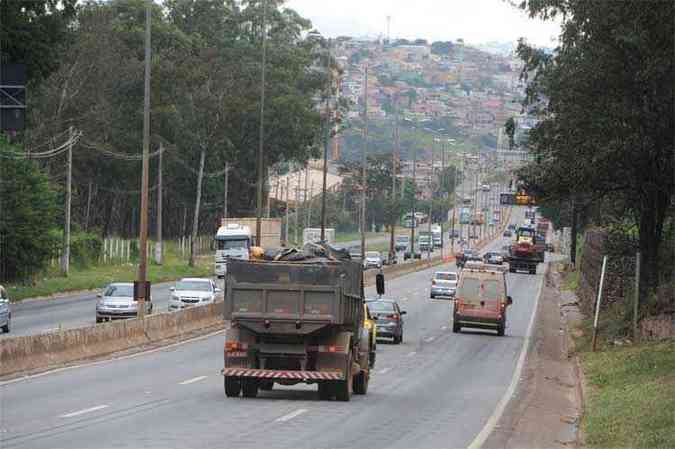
(389, 318)
(508, 233)
(466, 255)
(512, 227)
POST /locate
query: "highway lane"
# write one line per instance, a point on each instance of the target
(69, 311)
(437, 389)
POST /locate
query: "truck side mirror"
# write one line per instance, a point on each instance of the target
(379, 283)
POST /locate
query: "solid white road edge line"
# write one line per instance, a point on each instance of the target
(102, 362)
(291, 415)
(491, 423)
(82, 412)
(191, 381)
(410, 354)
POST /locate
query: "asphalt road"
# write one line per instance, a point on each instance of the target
(437, 389)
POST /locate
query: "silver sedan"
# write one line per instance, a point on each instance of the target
(117, 302)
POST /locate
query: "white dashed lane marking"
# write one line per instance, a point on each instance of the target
(193, 380)
(291, 415)
(82, 412)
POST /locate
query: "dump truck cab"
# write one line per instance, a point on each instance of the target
(481, 300)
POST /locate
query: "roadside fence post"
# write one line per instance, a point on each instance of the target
(636, 296)
(597, 304)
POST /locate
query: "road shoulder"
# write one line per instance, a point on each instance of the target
(546, 409)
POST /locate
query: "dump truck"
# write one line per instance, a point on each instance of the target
(524, 254)
(296, 322)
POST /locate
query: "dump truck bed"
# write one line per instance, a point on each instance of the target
(293, 297)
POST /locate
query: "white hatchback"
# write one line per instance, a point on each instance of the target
(191, 292)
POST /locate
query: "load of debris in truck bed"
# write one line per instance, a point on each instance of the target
(310, 252)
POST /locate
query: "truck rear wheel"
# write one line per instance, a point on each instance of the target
(232, 387)
(326, 390)
(456, 327)
(501, 327)
(267, 386)
(361, 383)
(533, 270)
(343, 388)
(249, 388)
(512, 270)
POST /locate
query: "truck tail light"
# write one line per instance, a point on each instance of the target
(394, 316)
(235, 346)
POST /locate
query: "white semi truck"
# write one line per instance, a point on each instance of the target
(233, 241)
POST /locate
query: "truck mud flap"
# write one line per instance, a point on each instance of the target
(276, 374)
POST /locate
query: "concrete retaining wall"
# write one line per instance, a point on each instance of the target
(19, 354)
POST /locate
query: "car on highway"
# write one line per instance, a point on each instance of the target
(5, 311)
(401, 243)
(511, 227)
(481, 300)
(116, 301)
(466, 255)
(388, 317)
(373, 259)
(191, 292)
(493, 257)
(507, 233)
(443, 283)
(453, 234)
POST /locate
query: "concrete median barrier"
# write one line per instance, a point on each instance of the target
(44, 351)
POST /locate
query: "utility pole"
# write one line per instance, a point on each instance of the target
(158, 246)
(394, 163)
(226, 188)
(288, 206)
(297, 202)
(431, 203)
(413, 222)
(259, 199)
(325, 146)
(305, 198)
(363, 165)
(311, 203)
(143, 288)
(65, 257)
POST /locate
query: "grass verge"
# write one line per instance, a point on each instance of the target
(631, 396)
(98, 276)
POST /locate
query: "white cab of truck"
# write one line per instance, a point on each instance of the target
(233, 241)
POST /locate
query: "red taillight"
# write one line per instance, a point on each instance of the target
(394, 316)
(235, 346)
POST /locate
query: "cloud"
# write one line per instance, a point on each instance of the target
(476, 21)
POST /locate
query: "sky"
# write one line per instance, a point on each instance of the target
(475, 21)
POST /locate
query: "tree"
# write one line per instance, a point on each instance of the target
(28, 214)
(30, 31)
(605, 99)
(510, 129)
